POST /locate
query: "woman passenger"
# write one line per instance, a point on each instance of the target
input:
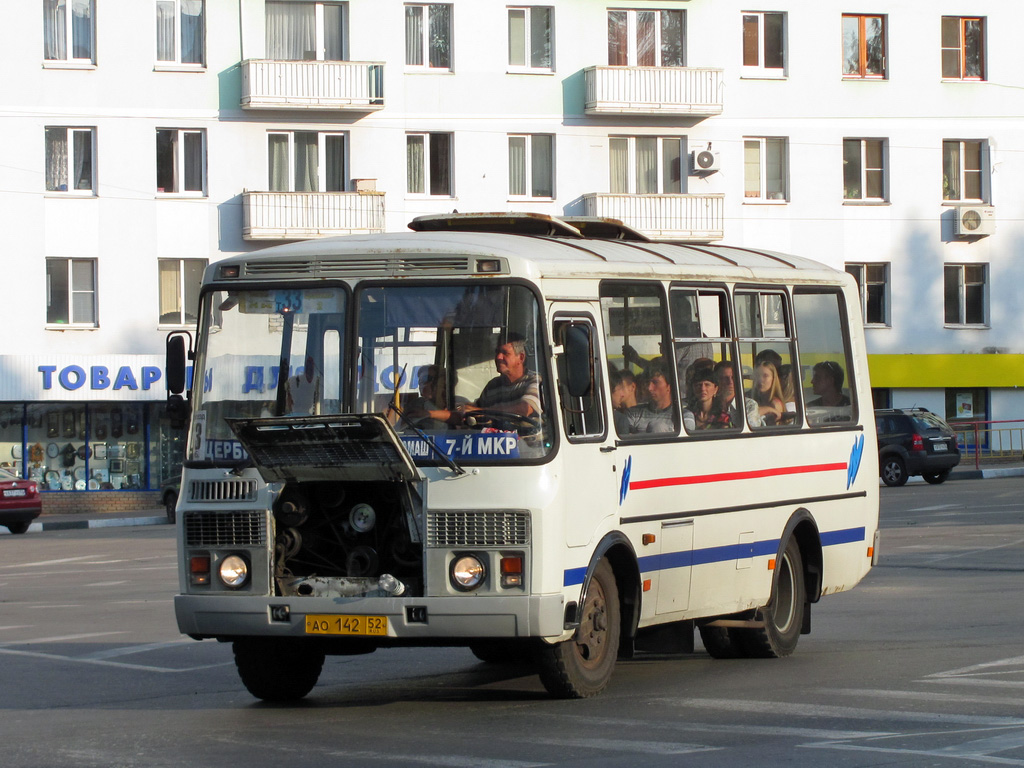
(767, 393)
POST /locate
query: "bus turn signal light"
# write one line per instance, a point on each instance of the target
(512, 571)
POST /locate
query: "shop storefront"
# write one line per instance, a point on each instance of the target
(92, 431)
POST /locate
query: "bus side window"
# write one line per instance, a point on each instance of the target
(767, 359)
(825, 358)
(579, 378)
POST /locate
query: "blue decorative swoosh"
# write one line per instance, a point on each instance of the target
(624, 486)
(855, 456)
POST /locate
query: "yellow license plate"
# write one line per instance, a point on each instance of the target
(334, 624)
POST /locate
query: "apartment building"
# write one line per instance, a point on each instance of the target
(144, 139)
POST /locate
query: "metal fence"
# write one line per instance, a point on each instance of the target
(989, 441)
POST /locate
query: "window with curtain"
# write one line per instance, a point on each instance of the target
(69, 159)
(529, 37)
(306, 161)
(963, 48)
(180, 280)
(963, 170)
(68, 29)
(966, 294)
(181, 161)
(864, 171)
(429, 164)
(313, 31)
(645, 165)
(646, 38)
(765, 171)
(180, 31)
(71, 292)
(428, 35)
(764, 41)
(530, 165)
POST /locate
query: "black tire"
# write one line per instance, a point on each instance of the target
(582, 666)
(937, 478)
(19, 527)
(722, 642)
(278, 669)
(894, 471)
(784, 614)
(507, 652)
(171, 505)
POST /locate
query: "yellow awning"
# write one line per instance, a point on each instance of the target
(940, 371)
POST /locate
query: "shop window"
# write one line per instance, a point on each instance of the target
(11, 446)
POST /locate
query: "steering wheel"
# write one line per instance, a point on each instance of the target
(488, 417)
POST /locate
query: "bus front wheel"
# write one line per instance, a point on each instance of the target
(278, 669)
(582, 666)
(784, 614)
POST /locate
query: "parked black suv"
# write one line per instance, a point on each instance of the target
(914, 441)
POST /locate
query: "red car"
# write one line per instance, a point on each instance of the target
(19, 502)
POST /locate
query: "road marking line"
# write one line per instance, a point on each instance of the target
(979, 758)
(455, 761)
(629, 747)
(105, 663)
(924, 696)
(58, 638)
(49, 562)
(127, 650)
(753, 730)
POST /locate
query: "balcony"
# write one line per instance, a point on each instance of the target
(695, 218)
(653, 91)
(305, 215)
(355, 86)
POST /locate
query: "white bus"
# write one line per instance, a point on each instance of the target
(548, 440)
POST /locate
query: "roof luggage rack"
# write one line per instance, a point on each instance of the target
(599, 228)
(505, 223)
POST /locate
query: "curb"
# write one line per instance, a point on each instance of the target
(68, 525)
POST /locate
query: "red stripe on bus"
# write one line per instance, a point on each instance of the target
(665, 482)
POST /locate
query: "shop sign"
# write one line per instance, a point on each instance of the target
(87, 377)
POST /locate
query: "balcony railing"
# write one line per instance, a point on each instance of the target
(349, 85)
(653, 91)
(698, 218)
(305, 215)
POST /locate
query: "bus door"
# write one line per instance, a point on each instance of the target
(588, 457)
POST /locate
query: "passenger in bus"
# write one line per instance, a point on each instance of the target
(827, 382)
(788, 381)
(654, 416)
(427, 410)
(515, 389)
(623, 385)
(703, 410)
(728, 399)
(697, 366)
(767, 393)
(302, 392)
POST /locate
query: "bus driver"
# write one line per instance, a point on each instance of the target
(514, 390)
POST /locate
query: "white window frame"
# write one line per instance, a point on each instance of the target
(632, 156)
(962, 171)
(72, 292)
(67, 36)
(764, 143)
(962, 289)
(424, 42)
(528, 162)
(176, 63)
(528, 13)
(70, 160)
(179, 135)
(761, 70)
(321, 166)
(186, 297)
(864, 170)
(425, 170)
(860, 272)
(631, 33)
(319, 15)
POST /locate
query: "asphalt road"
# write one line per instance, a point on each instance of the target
(921, 665)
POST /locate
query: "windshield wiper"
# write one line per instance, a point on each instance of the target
(448, 460)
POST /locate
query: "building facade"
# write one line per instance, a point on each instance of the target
(147, 139)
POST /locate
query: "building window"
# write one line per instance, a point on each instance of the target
(863, 46)
(764, 43)
(180, 280)
(429, 164)
(530, 166)
(873, 284)
(180, 31)
(765, 169)
(71, 292)
(306, 161)
(307, 31)
(963, 48)
(69, 159)
(646, 38)
(966, 294)
(864, 169)
(968, 404)
(963, 170)
(65, 32)
(646, 165)
(428, 36)
(180, 161)
(529, 38)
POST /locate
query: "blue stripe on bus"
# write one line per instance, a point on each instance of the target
(688, 558)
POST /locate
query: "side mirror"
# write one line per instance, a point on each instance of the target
(176, 362)
(579, 359)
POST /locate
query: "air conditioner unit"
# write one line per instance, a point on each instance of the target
(974, 220)
(705, 161)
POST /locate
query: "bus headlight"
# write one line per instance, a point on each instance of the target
(233, 571)
(467, 572)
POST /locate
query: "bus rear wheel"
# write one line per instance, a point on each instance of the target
(278, 669)
(784, 614)
(582, 666)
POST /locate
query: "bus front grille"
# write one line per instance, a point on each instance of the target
(483, 528)
(222, 490)
(225, 529)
